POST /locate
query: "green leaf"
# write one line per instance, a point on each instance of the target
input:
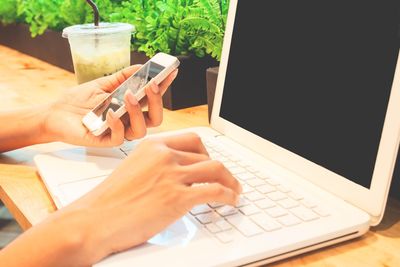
(180, 27)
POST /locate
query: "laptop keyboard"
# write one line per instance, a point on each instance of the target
(265, 204)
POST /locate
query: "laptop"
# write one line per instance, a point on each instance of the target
(305, 116)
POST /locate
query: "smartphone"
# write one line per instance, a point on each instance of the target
(158, 68)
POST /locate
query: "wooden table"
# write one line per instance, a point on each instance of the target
(25, 81)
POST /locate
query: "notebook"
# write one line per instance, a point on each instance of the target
(304, 116)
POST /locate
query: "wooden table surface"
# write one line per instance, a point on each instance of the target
(26, 81)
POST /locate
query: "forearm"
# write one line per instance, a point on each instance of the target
(61, 240)
(22, 127)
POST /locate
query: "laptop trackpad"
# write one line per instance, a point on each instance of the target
(179, 233)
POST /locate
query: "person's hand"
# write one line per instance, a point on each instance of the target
(151, 189)
(63, 120)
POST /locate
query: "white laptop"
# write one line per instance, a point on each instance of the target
(305, 116)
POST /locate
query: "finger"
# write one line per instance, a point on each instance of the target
(110, 83)
(189, 158)
(211, 193)
(189, 142)
(168, 81)
(211, 171)
(154, 116)
(137, 127)
(116, 137)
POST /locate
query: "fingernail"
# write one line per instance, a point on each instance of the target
(175, 74)
(111, 113)
(154, 87)
(132, 99)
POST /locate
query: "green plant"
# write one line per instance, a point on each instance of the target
(40, 14)
(8, 11)
(178, 27)
(58, 14)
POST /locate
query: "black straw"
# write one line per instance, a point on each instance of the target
(95, 12)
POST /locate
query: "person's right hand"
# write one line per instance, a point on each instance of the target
(151, 189)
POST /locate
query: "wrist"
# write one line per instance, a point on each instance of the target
(24, 127)
(61, 240)
(44, 114)
(75, 244)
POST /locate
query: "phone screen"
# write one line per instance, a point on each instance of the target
(134, 83)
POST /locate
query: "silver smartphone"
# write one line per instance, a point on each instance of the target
(157, 68)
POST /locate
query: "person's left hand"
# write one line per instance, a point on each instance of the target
(63, 121)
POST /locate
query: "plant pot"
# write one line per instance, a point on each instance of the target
(188, 89)
(211, 77)
(49, 47)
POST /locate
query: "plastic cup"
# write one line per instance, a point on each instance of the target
(99, 51)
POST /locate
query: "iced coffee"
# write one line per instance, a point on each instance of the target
(99, 51)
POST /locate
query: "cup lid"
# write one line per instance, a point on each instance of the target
(104, 28)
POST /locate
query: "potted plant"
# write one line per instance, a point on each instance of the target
(190, 29)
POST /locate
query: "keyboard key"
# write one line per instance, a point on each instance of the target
(283, 189)
(252, 169)
(265, 188)
(244, 225)
(245, 176)
(247, 188)
(266, 222)
(249, 209)
(272, 182)
(275, 196)
(215, 205)
(229, 164)
(203, 208)
(225, 237)
(221, 159)
(255, 182)
(289, 220)
(242, 183)
(218, 148)
(253, 196)
(276, 211)
(234, 158)
(242, 202)
(321, 212)
(295, 195)
(223, 225)
(236, 170)
(287, 203)
(213, 228)
(308, 203)
(265, 203)
(243, 163)
(262, 175)
(226, 210)
(208, 217)
(209, 143)
(304, 213)
(225, 154)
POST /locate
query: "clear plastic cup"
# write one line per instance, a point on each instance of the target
(99, 51)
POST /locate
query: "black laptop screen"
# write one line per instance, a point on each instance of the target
(314, 77)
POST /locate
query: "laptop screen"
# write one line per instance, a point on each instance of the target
(314, 77)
